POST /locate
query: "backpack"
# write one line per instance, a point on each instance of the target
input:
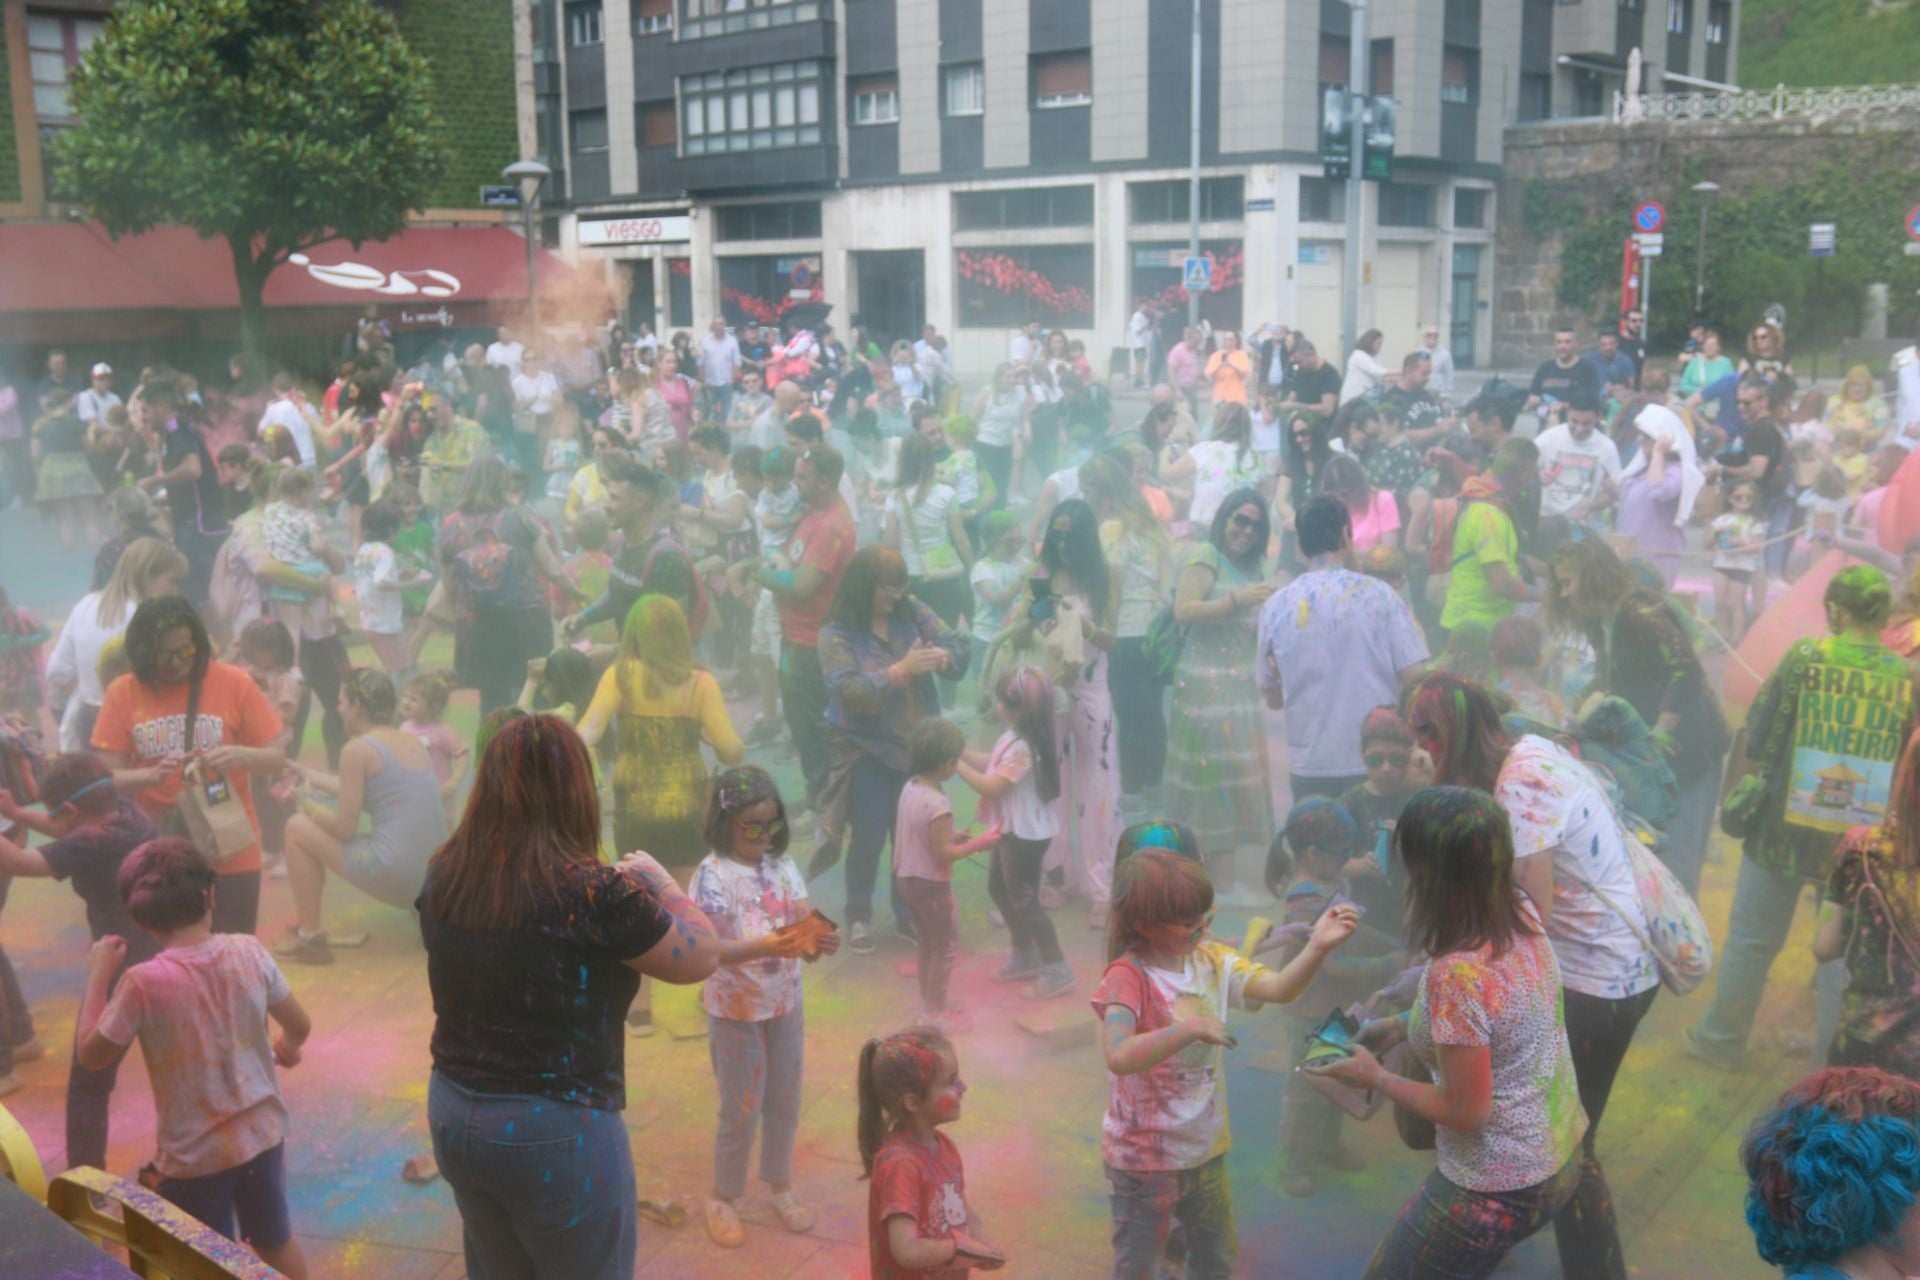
(1676, 932)
(483, 567)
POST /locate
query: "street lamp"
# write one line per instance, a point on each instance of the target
(531, 175)
(1707, 191)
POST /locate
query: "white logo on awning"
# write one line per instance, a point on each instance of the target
(426, 282)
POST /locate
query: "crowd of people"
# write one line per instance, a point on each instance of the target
(1480, 628)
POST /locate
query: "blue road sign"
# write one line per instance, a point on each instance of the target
(1197, 274)
(1649, 216)
(1913, 222)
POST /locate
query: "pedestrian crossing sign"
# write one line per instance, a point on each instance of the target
(1197, 274)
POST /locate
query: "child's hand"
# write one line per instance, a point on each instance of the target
(1381, 1035)
(1208, 1031)
(287, 1055)
(106, 955)
(1334, 927)
(827, 944)
(785, 946)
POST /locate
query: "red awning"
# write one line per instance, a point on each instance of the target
(63, 281)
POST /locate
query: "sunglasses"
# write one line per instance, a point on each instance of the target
(760, 830)
(1243, 522)
(1374, 759)
(180, 653)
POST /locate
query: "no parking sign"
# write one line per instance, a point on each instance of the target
(1649, 216)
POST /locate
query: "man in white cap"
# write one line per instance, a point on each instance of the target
(93, 403)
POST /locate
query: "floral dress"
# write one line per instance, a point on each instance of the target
(1217, 769)
(1880, 898)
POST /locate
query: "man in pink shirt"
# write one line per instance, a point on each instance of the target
(1183, 369)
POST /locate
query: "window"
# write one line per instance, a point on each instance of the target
(1536, 95)
(875, 100)
(1632, 5)
(1023, 207)
(1063, 80)
(758, 288)
(1470, 207)
(1000, 288)
(725, 17)
(583, 24)
(1382, 67)
(1221, 200)
(1333, 62)
(787, 220)
(1719, 14)
(966, 89)
(1323, 200)
(55, 42)
(1405, 205)
(589, 130)
(751, 108)
(1459, 75)
(652, 17)
(659, 124)
(1679, 16)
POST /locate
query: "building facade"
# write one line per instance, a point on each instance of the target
(979, 163)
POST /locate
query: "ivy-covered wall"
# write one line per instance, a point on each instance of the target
(9, 153)
(1570, 190)
(468, 45)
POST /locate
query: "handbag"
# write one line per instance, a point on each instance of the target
(1740, 811)
(209, 812)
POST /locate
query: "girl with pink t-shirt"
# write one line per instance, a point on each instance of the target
(925, 847)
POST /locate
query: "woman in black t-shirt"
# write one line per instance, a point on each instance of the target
(534, 951)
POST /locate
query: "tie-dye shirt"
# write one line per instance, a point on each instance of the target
(1511, 1004)
(1558, 809)
(748, 900)
(1173, 1115)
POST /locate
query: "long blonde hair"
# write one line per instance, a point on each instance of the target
(142, 561)
(656, 639)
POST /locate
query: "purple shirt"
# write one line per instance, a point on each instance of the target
(1183, 366)
(1646, 515)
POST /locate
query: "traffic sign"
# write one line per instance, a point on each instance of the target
(1649, 216)
(1820, 239)
(500, 197)
(1197, 274)
(1913, 222)
(1651, 244)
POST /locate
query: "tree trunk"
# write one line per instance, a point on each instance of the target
(250, 276)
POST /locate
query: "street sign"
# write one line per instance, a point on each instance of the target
(1651, 243)
(1261, 205)
(1913, 248)
(1649, 216)
(1913, 223)
(500, 197)
(1820, 239)
(1197, 274)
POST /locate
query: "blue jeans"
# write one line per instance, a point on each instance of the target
(1763, 907)
(545, 1189)
(1145, 1207)
(1447, 1232)
(873, 803)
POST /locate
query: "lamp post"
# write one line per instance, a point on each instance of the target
(1707, 191)
(531, 175)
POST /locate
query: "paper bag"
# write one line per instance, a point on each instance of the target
(216, 821)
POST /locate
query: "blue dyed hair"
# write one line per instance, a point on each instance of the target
(1834, 1167)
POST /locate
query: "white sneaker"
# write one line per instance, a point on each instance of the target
(860, 938)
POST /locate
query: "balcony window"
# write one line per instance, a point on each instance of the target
(1679, 17)
(1719, 16)
(1470, 207)
(1062, 80)
(1382, 67)
(760, 108)
(652, 17)
(966, 89)
(700, 18)
(876, 100)
(782, 220)
(589, 130)
(1333, 62)
(1221, 200)
(1023, 207)
(1459, 75)
(1405, 204)
(584, 24)
(659, 124)
(1323, 200)
(55, 42)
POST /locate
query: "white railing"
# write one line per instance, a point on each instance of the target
(1777, 103)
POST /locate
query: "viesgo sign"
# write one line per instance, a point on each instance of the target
(668, 229)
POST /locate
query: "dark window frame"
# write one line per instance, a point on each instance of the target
(1009, 208)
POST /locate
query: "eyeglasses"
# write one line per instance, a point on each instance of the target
(760, 830)
(181, 653)
(1398, 759)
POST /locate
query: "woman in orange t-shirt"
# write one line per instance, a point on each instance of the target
(1229, 369)
(142, 734)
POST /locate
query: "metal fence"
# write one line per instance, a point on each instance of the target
(1777, 103)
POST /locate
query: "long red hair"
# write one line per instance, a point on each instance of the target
(532, 819)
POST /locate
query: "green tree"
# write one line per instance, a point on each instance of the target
(272, 124)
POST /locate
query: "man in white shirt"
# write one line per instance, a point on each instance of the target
(1140, 343)
(646, 341)
(291, 411)
(719, 361)
(536, 393)
(93, 403)
(1025, 345)
(1441, 383)
(506, 352)
(1579, 464)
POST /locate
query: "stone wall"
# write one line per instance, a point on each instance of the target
(1569, 164)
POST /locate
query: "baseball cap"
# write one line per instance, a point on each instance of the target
(101, 368)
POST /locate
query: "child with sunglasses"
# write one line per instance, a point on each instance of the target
(93, 829)
(756, 1027)
(1396, 768)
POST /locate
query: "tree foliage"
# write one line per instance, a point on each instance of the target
(274, 124)
(1821, 42)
